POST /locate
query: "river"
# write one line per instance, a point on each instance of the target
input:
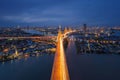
(81, 67)
(92, 66)
(33, 68)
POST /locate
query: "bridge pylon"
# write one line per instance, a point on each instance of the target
(65, 30)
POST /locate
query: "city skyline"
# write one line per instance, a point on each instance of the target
(68, 12)
(59, 40)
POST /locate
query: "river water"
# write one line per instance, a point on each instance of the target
(81, 67)
(33, 68)
(92, 66)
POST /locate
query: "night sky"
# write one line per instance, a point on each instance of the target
(59, 12)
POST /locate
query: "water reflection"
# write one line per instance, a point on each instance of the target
(32, 68)
(92, 66)
(81, 67)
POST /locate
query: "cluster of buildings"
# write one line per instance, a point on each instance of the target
(13, 48)
(98, 40)
(88, 40)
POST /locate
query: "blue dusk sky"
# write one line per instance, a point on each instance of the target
(55, 12)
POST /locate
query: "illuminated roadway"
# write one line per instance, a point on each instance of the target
(60, 69)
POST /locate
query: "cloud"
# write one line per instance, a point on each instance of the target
(63, 12)
(57, 14)
(32, 19)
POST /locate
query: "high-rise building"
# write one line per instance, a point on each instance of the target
(84, 28)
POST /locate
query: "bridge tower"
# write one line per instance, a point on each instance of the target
(69, 29)
(65, 30)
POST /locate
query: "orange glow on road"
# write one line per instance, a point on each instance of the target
(60, 70)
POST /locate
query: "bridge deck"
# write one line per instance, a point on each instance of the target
(60, 70)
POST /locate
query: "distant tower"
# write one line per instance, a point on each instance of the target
(60, 27)
(84, 28)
